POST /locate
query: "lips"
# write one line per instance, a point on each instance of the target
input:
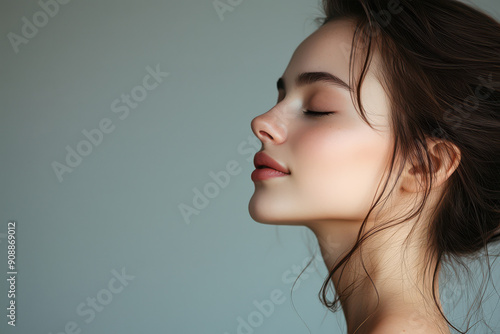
(262, 160)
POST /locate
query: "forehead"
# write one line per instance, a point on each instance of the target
(327, 49)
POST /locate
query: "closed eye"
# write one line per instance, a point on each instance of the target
(317, 113)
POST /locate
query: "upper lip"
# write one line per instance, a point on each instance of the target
(263, 160)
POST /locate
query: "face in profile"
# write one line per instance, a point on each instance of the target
(335, 160)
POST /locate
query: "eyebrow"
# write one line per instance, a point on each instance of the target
(308, 78)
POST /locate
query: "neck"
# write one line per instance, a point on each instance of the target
(399, 271)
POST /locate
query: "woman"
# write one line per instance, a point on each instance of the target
(385, 143)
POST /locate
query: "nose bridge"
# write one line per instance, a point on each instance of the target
(270, 126)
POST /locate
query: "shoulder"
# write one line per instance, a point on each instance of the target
(403, 325)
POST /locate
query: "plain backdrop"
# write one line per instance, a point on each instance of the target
(104, 246)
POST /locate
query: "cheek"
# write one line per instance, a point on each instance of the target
(331, 149)
(342, 166)
(326, 157)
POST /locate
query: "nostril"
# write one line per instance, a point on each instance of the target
(264, 134)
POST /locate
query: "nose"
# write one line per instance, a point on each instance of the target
(269, 128)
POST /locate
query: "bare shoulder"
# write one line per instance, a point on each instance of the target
(412, 324)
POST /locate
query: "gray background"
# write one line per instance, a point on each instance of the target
(119, 207)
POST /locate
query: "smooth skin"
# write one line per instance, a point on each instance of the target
(337, 163)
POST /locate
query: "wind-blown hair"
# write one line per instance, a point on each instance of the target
(441, 70)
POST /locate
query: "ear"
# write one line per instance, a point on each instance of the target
(445, 158)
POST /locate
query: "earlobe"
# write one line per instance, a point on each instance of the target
(445, 158)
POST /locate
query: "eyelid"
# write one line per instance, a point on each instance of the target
(307, 112)
(318, 113)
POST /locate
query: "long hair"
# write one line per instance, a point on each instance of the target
(441, 70)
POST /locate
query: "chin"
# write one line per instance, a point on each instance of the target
(269, 214)
(260, 215)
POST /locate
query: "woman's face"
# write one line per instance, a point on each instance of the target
(335, 161)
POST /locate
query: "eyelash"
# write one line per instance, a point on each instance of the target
(317, 113)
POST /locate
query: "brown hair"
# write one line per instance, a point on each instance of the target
(440, 63)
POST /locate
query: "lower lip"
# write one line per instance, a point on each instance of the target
(261, 174)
